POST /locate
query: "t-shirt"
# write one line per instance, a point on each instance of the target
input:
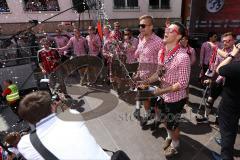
(49, 59)
(231, 89)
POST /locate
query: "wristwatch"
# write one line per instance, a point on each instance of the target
(231, 56)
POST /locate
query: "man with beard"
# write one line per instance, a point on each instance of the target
(229, 110)
(216, 82)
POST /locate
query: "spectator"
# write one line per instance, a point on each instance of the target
(79, 44)
(64, 139)
(80, 48)
(130, 45)
(205, 54)
(116, 33)
(60, 40)
(190, 51)
(216, 82)
(48, 58)
(229, 111)
(94, 42)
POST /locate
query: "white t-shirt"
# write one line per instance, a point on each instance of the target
(65, 139)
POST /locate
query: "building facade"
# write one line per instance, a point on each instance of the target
(16, 14)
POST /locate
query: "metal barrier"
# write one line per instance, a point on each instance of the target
(12, 56)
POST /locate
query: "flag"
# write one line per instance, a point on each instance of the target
(99, 28)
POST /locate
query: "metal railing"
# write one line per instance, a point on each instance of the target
(12, 56)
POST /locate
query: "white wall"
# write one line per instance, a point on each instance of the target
(18, 15)
(174, 12)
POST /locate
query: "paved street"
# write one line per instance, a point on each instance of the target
(110, 120)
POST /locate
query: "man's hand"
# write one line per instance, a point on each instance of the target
(142, 85)
(157, 92)
(236, 49)
(207, 81)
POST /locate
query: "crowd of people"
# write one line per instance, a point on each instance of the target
(164, 67)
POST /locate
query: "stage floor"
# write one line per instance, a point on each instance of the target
(109, 118)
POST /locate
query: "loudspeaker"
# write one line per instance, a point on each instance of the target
(80, 5)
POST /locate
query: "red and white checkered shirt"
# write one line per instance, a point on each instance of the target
(147, 53)
(130, 47)
(176, 71)
(94, 44)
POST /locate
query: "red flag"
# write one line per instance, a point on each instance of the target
(99, 27)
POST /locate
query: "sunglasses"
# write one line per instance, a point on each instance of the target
(143, 25)
(227, 41)
(171, 30)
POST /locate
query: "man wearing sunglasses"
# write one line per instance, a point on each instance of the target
(147, 51)
(175, 62)
(216, 82)
(130, 45)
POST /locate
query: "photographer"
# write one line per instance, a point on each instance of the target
(229, 110)
(63, 139)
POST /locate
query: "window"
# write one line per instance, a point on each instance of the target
(3, 6)
(122, 4)
(154, 4)
(159, 4)
(132, 3)
(165, 4)
(41, 5)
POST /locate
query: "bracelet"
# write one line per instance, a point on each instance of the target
(231, 56)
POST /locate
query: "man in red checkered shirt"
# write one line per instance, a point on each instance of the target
(173, 74)
(147, 51)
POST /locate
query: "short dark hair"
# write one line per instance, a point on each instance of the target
(127, 30)
(181, 28)
(44, 41)
(12, 138)
(210, 34)
(35, 106)
(8, 81)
